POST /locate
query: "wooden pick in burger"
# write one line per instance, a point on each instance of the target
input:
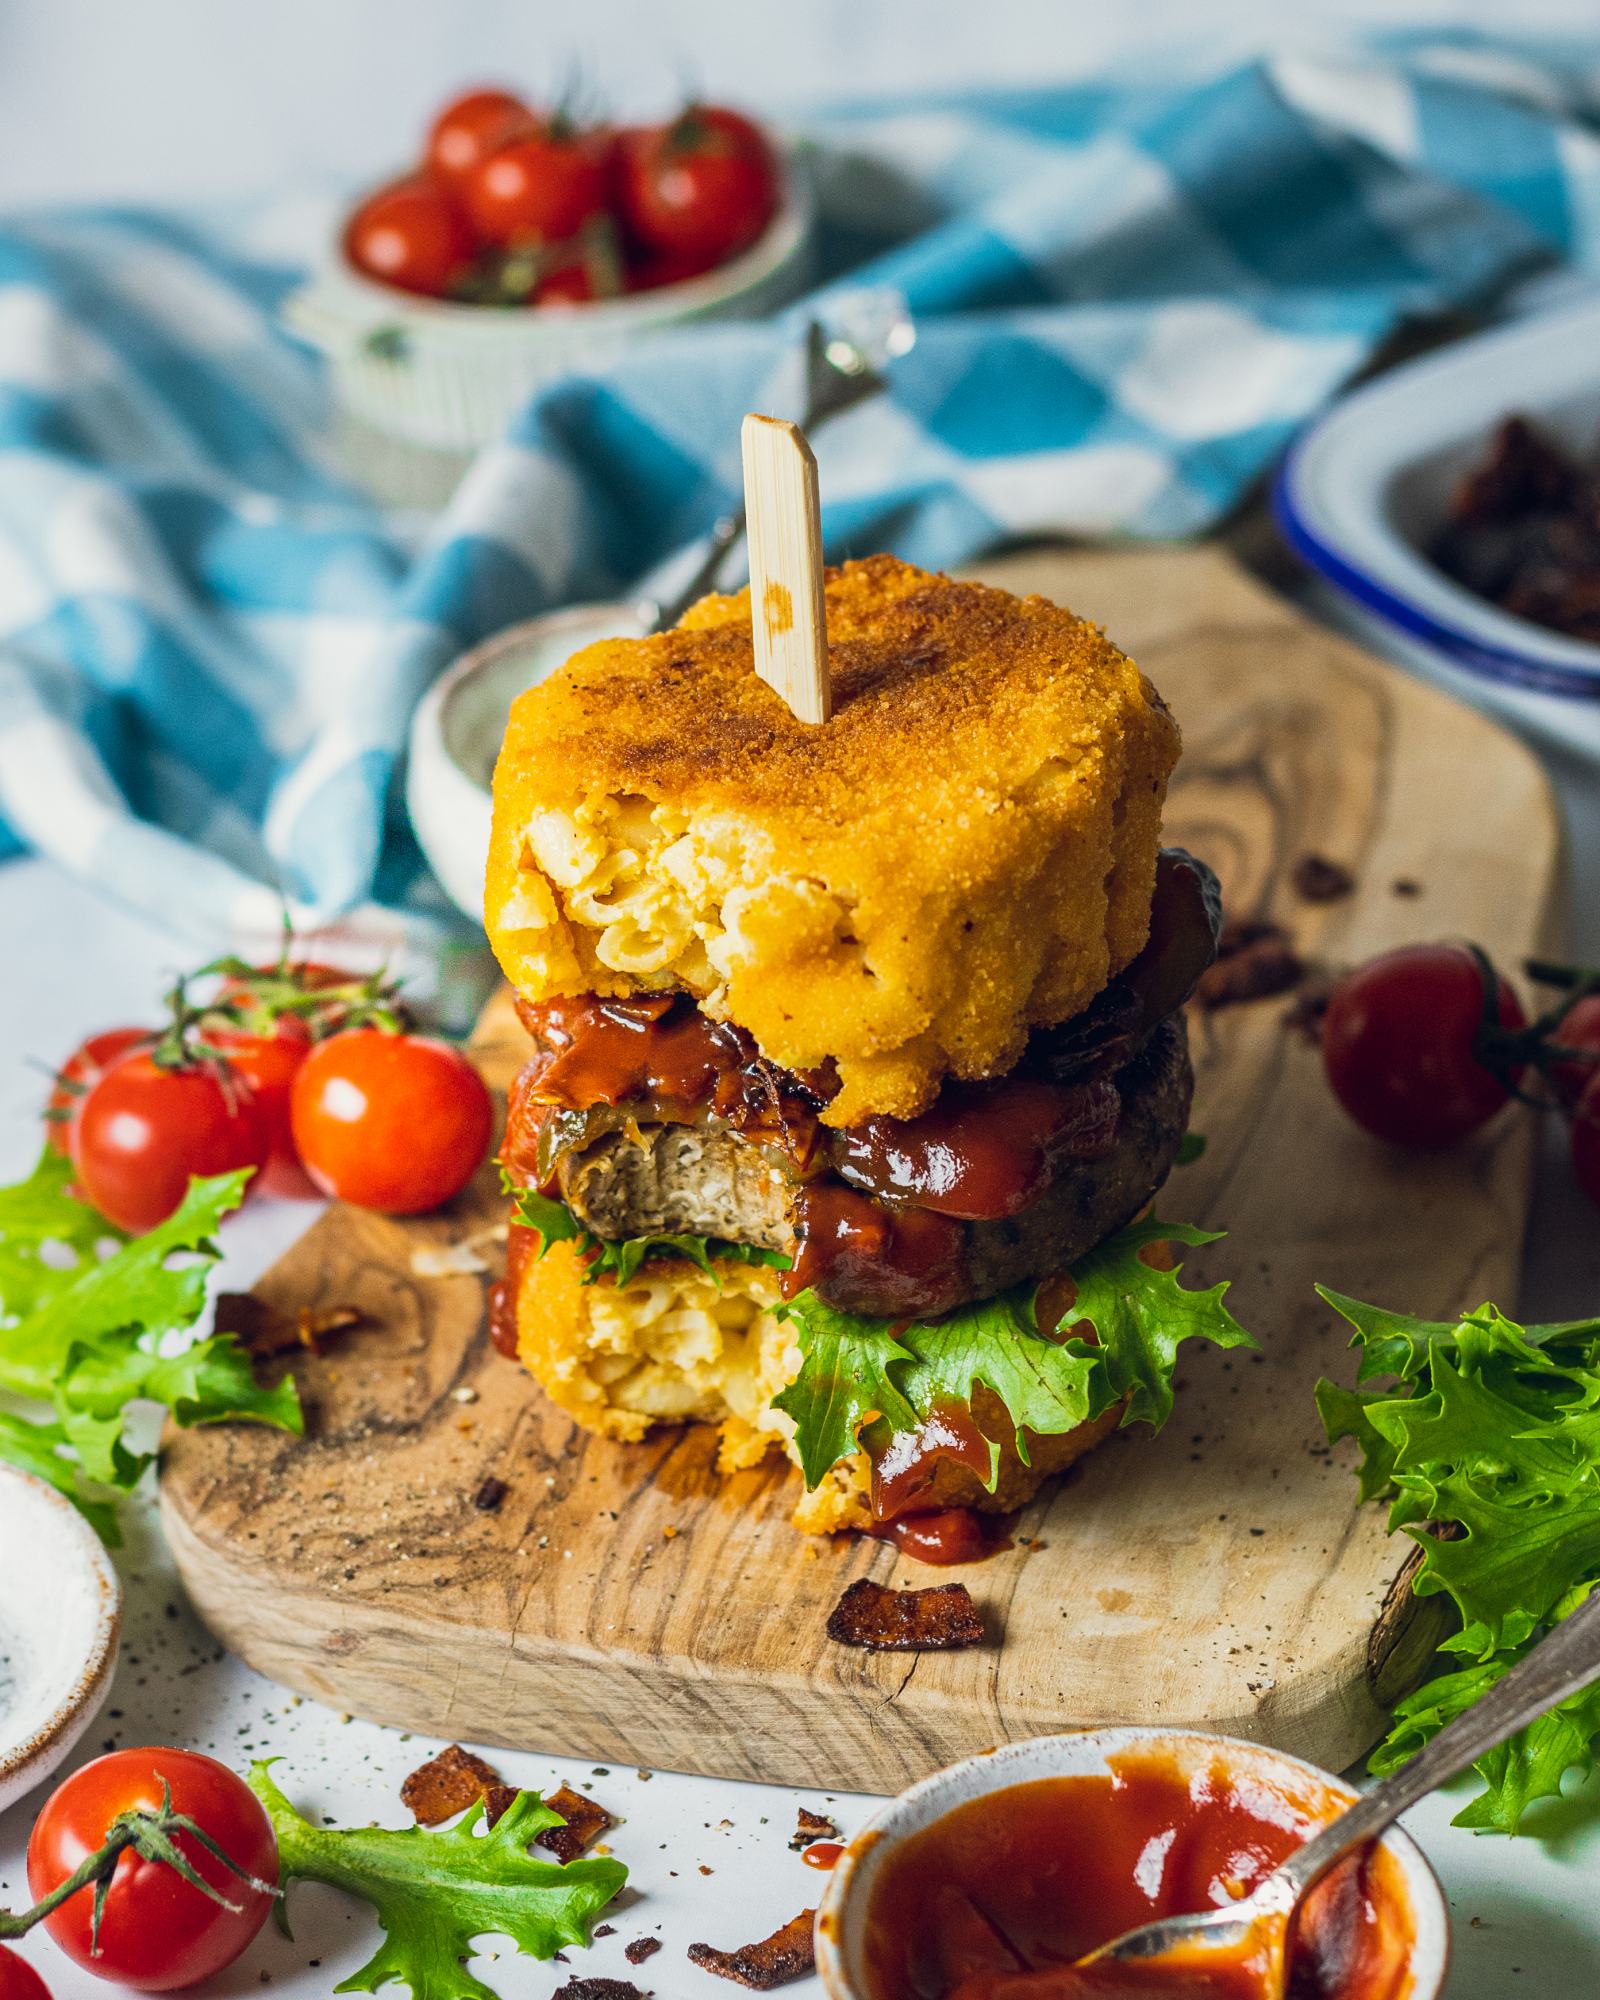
(787, 613)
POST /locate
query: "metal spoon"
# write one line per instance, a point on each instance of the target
(1566, 1659)
(839, 373)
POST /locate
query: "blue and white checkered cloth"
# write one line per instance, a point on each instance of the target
(1125, 298)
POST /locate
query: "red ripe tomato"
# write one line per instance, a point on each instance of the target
(157, 1931)
(393, 1122)
(706, 185)
(571, 285)
(1579, 1029)
(144, 1129)
(266, 1066)
(18, 1980)
(667, 267)
(1399, 1045)
(1586, 1141)
(540, 188)
(87, 1063)
(472, 128)
(413, 235)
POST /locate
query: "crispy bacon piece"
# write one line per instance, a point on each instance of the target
(1316, 879)
(448, 1784)
(1254, 959)
(787, 1954)
(598, 1989)
(812, 1826)
(880, 1620)
(268, 1334)
(497, 1801)
(641, 1949)
(585, 1818)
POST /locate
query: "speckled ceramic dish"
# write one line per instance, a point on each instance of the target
(60, 1613)
(841, 1919)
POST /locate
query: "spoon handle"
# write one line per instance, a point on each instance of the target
(1566, 1659)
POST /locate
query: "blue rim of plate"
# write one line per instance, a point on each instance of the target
(1461, 647)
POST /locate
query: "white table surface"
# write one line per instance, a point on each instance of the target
(707, 1859)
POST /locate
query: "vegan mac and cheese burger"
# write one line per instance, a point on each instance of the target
(857, 1050)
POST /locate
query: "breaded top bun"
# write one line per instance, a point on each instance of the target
(965, 851)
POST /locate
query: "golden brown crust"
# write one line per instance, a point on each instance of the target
(966, 850)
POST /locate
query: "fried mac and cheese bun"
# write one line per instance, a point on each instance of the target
(676, 1343)
(964, 852)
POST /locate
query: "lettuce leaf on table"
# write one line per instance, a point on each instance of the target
(93, 1322)
(1491, 1429)
(436, 1892)
(858, 1372)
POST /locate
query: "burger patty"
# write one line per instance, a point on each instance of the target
(662, 1180)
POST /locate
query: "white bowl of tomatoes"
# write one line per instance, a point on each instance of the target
(525, 245)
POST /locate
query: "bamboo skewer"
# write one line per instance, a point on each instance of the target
(788, 617)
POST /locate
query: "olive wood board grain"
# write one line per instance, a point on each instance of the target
(623, 1603)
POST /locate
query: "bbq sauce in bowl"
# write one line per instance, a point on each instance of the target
(995, 1900)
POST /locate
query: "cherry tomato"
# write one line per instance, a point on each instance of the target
(570, 285)
(157, 1931)
(1586, 1141)
(87, 1063)
(1398, 1044)
(18, 1980)
(411, 234)
(472, 128)
(667, 267)
(144, 1129)
(393, 1122)
(267, 1066)
(705, 185)
(541, 188)
(1579, 1029)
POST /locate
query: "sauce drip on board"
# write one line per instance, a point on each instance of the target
(823, 1854)
(997, 1899)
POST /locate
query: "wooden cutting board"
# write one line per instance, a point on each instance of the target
(624, 1605)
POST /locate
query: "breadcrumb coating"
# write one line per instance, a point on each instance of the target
(965, 851)
(676, 1344)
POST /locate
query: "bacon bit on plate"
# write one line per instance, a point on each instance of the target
(598, 1989)
(489, 1495)
(881, 1620)
(1254, 959)
(787, 1954)
(448, 1784)
(497, 1801)
(812, 1826)
(585, 1818)
(641, 1949)
(1319, 880)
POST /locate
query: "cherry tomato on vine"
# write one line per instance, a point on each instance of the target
(18, 1980)
(411, 234)
(705, 185)
(474, 126)
(87, 1063)
(266, 1066)
(157, 1932)
(394, 1122)
(540, 188)
(1579, 1028)
(1586, 1141)
(1400, 1044)
(145, 1128)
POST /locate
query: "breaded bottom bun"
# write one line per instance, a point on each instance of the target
(678, 1344)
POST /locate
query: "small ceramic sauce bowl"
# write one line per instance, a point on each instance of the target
(60, 1613)
(456, 732)
(842, 1919)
